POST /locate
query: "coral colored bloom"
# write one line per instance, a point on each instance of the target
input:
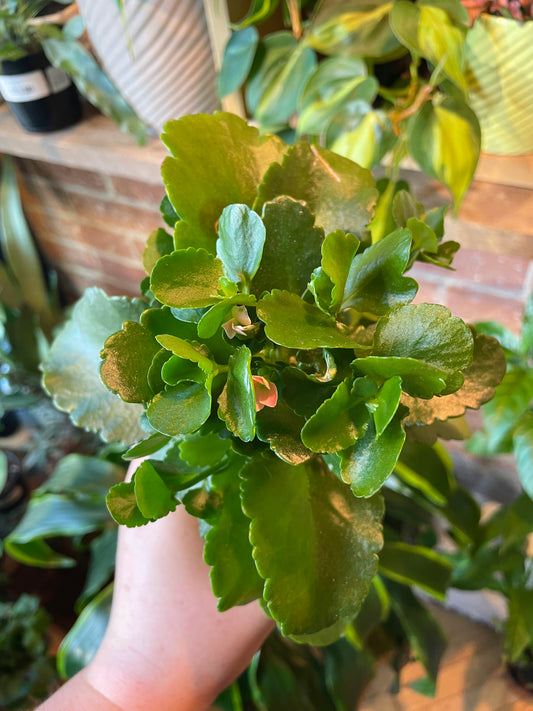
(239, 322)
(266, 393)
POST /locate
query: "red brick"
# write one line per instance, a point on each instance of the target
(495, 270)
(63, 174)
(499, 206)
(137, 190)
(429, 293)
(477, 306)
(81, 280)
(67, 256)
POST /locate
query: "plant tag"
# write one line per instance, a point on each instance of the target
(57, 79)
(19, 88)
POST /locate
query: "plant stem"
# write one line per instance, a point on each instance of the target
(296, 20)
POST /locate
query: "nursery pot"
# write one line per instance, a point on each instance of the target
(499, 54)
(42, 97)
(158, 55)
(522, 670)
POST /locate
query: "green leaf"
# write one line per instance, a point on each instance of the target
(91, 81)
(260, 10)
(213, 319)
(503, 413)
(71, 371)
(102, 564)
(239, 54)
(234, 577)
(363, 30)
(199, 184)
(204, 450)
(340, 420)
(445, 140)
(36, 553)
(240, 243)
(53, 515)
(368, 463)
(427, 29)
(385, 404)
(237, 400)
(127, 356)
(427, 469)
(122, 505)
(148, 446)
(153, 497)
(368, 142)
(480, 381)
(188, 351)
(169, 215)
(416, 565)
(423, 632)
(338, 252)
(423, 344)
(281, 427)
(523, 451)
(275, 85)
(324, 579)
(374, 282)
(180, 409)
(519, 627)
(18, 248)
(339, 193)
(82, 641)
(292, 247)
(81, 476)
(348, 671)
(187, 279)
(158, 244)
(292, 322)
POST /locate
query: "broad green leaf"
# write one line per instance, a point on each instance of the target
(169, 215)
(37, 554)
(148, 446)
(503, 413)
(348, 671)
(507, 339)
(385, 404)
(464, 514)
(480, 381)
(53, 515)
(187, 279)
(292, 322)
(369, 142)
(326, 577)
(127, 356)
(240, 243)
(405, 206)
(519, 626)
(200, 183)
(213, 319)
(416, 565)
(78, 63)
(303, 394)
(234, 577)
(428, 30)
(426, 333)
(158, 244)
(71, 371)
(368, 463)
(153, 497)
(339, 421)
(383, 222)
(338, 252)
(186, 350)
(238, 56)
(425, 636)
(344, 28)
(122, 505)
(339, 193)
(237, 400)
(275, 85)
(180, 409)
(80, 476)
(375, 281)
(18, 248)
(445, 140)
(204, 450)
(427, 469)
(281, 427)
(292, 247)
(259, 11)
(523, 451)
(82, 641)
(101, 565)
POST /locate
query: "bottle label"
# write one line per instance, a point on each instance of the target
(24, 87)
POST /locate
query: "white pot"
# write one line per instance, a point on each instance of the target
(160, 59)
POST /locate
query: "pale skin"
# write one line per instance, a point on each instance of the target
(166, 647)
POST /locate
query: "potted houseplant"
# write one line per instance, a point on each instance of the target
(276, 352)
(40, 62)
(498, 46)
(372, 81)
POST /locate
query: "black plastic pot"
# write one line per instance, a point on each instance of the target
(41, 97)
(522, 670)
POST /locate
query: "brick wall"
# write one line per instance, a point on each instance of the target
(93, 227)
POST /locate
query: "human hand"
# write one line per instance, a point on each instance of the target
(167, 646)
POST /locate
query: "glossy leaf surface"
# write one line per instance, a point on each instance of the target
(240, 243)
(237, 400)
(187, 279)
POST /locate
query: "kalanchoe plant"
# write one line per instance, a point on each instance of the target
(374, 81)
(277, 366)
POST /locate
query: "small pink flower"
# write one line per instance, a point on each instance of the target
(239, 322)
(266, 393)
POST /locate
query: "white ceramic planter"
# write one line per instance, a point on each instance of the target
(166, 68)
